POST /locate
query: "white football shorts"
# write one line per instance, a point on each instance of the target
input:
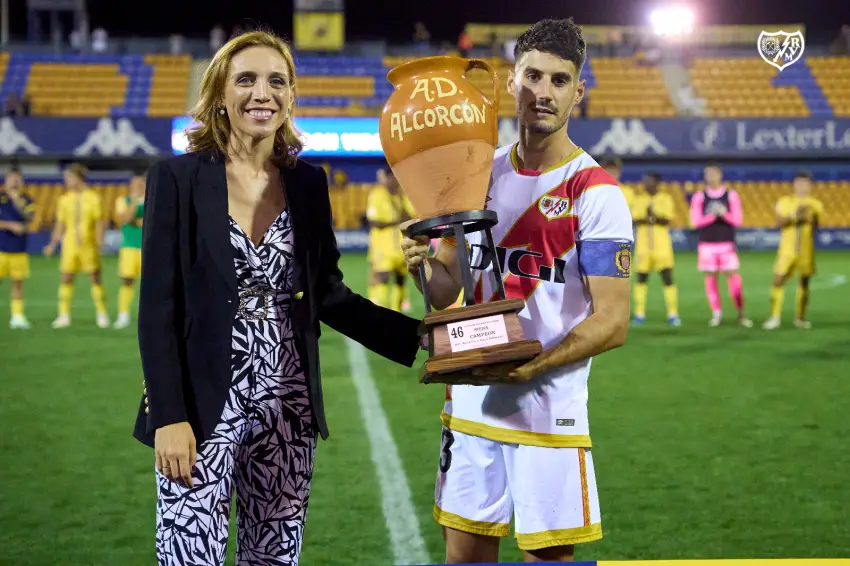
(549, 492)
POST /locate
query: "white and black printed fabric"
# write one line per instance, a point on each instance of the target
(264, 443)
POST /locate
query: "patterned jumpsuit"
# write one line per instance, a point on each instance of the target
(264, 442)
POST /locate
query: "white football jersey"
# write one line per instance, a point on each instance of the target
(541, 219)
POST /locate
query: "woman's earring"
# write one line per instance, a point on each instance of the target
(221, 111)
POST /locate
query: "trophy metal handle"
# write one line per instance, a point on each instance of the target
(494, 102)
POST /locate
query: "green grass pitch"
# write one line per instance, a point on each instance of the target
(708, 443)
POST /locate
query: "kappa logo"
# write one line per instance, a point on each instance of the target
(554, 207)
(625, 138)
(13, 141)
(781, 48)
(120, 138)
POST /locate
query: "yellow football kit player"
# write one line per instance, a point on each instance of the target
(386, 208)
(129, 214)
(798, 216)
(16, 211)
(79, 226)
(652, 212)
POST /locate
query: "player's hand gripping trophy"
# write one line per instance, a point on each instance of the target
(439, 134)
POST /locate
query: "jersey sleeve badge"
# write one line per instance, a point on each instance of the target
(623, 260)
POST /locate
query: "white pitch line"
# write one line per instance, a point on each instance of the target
(837, 280)
(399, 513)
(834, 280)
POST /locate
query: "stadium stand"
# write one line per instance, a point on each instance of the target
(349, 205)
(4, 64)
(618, 86)
(71, 89)
(98, 85)
(832, 75)
(157, 86)
(738, 87)
(341, 86)
(169, 84)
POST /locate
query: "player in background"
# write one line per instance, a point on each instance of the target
(129, 212)
(652, 212)
(715, 213)
(79, 226)
(522, 451)
(798, 216)
(381, 181)
(16, 211)
(614, 167)
(386, 208)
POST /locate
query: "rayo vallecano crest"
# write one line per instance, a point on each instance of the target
(553, 207)
(780, 48)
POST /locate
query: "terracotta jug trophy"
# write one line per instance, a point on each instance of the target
(439, 134)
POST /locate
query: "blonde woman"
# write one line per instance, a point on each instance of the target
(239, 266)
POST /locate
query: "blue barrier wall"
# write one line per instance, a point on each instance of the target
(670, 138)
(706, 138)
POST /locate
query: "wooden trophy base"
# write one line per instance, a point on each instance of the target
(466, 339)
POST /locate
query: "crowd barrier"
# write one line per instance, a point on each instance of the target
(666, 138)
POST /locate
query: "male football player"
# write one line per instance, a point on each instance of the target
(522, 451)
(387, 208)
(79, 227)
(798, 216)
(129, 212)
(715, 213)
(652, 212)
(614, 167)
(16, 210)
(381, 181)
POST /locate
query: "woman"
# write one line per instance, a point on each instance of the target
(239, 266)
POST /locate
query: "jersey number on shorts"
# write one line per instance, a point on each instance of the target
(445, 450)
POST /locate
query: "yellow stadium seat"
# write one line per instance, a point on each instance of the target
(70, 89)
(833, 76)
(738, 87)
(169, 84)
(625, 89)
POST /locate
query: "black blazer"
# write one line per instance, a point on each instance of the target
(188, 295)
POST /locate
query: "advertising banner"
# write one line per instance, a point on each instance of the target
(697, 137)
(85, 137)
(323, 137)
(358, 137)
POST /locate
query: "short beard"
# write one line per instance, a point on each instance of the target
(542, 128)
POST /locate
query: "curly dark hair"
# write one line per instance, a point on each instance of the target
(562, 38)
